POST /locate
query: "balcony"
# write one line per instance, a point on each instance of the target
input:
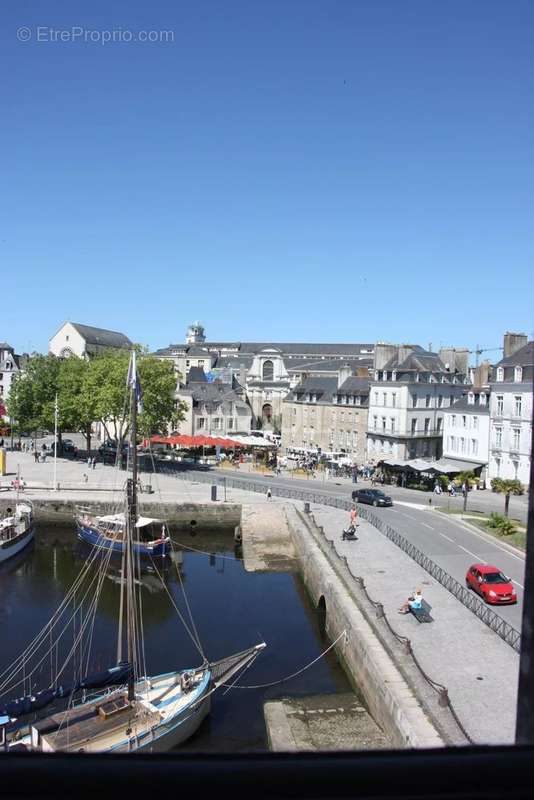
(418, 434)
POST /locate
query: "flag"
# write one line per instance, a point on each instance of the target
(133, 382)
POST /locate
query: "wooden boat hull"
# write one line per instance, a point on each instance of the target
(13, 546)
(95, 538)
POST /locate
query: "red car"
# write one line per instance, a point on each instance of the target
(491, 584)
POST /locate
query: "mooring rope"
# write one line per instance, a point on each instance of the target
(288, 677)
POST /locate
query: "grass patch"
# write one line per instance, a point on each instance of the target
(481, 514)
(517, 539)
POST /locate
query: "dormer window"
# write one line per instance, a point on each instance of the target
(482, 399)
(394, 375)
(500, 373)
(384, 376)
(471, 398)
(518, 374)
(377, 375)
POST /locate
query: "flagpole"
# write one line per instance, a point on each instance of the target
(55, 444)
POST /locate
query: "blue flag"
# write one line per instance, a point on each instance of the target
(132, 381)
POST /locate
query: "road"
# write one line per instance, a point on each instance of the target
(445, 540)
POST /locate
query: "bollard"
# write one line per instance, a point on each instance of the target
(407, 646)
(238, 536)
(443, 699)
(306, 508)
(429, 501)
(214, 492)
(379, 610)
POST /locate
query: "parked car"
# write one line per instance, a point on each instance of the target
(373, 497)
(491, 584)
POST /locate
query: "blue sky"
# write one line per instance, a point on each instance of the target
(289, 170)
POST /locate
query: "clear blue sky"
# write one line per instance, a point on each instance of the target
(290, 170)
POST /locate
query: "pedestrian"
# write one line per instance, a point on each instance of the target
(269, 494)
(89, 462)
(354, 517)
(464, 488)
(93, 462)
(36, 456)
(449, 488)
(85, 477)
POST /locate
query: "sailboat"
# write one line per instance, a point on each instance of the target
(16, 527)
(120, 709)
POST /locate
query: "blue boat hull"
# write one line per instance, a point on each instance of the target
(96, 539)
(10, 549)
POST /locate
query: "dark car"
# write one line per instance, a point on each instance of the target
(374, 497)
(491, 584)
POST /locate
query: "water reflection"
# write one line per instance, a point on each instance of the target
(232, 610)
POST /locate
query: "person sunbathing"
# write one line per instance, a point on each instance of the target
(415, 601)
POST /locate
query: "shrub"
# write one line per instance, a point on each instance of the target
(501, 524)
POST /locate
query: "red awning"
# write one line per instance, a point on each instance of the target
(194, 441)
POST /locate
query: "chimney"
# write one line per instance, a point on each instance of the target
(513, 342)
(404, 351)
(342, 374)
(383, 353)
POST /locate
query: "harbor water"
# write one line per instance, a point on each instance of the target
(231, 608)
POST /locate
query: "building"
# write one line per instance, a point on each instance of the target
(10, 365)
(466, 431)
(73, 339)
(213, 409)
(328, 414)
(511, 410)
(267, 371)
(411, 389)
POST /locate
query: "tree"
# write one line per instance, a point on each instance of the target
(77, 408)
(32, 395)
(501, 524)
(506, 487)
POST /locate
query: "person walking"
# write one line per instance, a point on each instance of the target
(354, 517)
(93, 462)
(36, 456)
(269, 493)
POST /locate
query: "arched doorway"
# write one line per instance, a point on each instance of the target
(268, 371)
(266, 413)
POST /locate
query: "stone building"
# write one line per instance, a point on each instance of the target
(10, 365)
(73, 339)
(328, 414)
(213, 409)
(511, 410)
(411, 389)
(466, 426)
(266, 371)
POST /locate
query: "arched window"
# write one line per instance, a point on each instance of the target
(65, 353)
(268, 371)
(267, 412)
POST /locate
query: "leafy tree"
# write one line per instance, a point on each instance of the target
(77, 408)
(506, 487)
(31, 399)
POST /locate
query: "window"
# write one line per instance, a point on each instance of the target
(453, 443)
(384, 424)
(453, 421)
(375, 423)
(392, 424)
(462, 445)
(414, 426)
(516, 437)
(384, 399)
(201, 422)
(470, 398)
(475, 423)
(451, 399)
(482, 399)
(500, 405)
(394, 399)
(518, 374)
(464, 421)
(376, 398)
(440, 401)
(517, 405)
(414, 401)
(500, 374)
(498, 437)
(200, 362)
(427, 401)
(216, 423)
(427, 424)
(474, 447)
(67, 337)
(230, 423)
(187, 363)
(440, 424)
(268, 371)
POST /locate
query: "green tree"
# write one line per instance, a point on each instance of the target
(506, 487)
(31, 399)
(77, 408)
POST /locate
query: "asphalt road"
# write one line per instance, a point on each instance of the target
(445, 540)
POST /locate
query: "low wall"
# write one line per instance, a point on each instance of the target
(391, 702)
(207, 516)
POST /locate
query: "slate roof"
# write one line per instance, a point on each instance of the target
(463, 405)
(325, 388)
(354, 385)
(196, 375)
(524, 357)
(284, 348)
(101, 336)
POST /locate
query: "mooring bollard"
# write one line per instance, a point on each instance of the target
(379, 610)
(306, 508)
(214, 492)
(443, 700)
(238, 536)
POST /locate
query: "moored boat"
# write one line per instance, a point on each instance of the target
(16, 530)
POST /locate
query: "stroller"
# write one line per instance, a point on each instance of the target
(350, 533)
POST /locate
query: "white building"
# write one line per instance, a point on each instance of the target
(511, 411)
(213, 409)
(73, 339)
(411, 390)
(466, 431)
(9, 367)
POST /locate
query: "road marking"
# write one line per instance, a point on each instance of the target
(446, 537)
(427, 526)
(409, 516)
(518, 584)
(480, 561)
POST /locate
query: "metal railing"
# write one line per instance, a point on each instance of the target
(507, 632)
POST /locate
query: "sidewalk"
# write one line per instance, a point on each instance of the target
(457, 650)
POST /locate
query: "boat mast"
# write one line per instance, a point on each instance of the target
(131, 520)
